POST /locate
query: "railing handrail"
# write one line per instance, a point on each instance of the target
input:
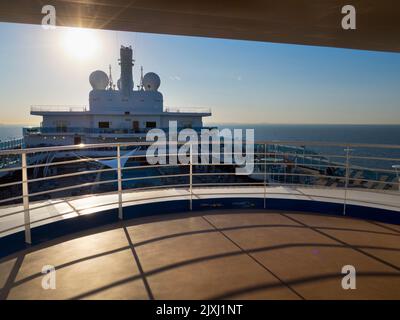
(132, 144)
(59, 108)
(187, 109)
(83, 108)
(97, 131)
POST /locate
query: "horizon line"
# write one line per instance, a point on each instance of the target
(250, 123)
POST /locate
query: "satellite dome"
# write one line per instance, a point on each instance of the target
(151, 81)
(98, 80)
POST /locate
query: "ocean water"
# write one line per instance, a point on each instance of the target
(373, 134)
(352, 134)
(10, 132)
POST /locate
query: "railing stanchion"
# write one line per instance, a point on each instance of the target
(396, 168)
(347, 174)
(120, 212)
(191, 176)
(265, 176)
(25, 199)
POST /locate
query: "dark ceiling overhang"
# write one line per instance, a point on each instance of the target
(309, 22)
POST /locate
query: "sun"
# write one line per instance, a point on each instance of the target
(80, 43)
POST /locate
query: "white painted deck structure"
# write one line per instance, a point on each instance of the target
(44, 212)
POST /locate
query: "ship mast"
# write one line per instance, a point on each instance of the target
(141, 77)
(111, 85)
(126, 63)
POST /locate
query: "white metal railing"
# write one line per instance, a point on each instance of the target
(83, 108)
(11, 143)
(59, 108)
(264, 154)
(188, 110)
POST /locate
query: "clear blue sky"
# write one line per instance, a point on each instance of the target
(242, 81)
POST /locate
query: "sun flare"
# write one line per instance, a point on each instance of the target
(80, 43)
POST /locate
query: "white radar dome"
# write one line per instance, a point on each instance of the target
(151, 81)
(98, 80)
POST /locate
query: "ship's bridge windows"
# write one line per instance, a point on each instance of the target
(61, 125)
(151, 124)
(104, 124)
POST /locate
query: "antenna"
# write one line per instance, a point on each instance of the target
(111, 83)
(141, 77)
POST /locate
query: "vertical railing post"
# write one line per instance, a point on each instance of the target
(265, 176)
(398, 179)
(396, 167)
(191, 176)
(25, 199)
(120, 212)
(347, 175)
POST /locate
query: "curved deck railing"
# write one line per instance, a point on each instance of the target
(25, 174)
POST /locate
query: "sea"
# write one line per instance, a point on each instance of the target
(343, 134)
(372, 134)
(353, 134)
(8, 132)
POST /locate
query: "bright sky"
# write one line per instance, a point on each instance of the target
(241, 81)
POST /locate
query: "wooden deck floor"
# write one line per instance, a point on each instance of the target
(213, 255)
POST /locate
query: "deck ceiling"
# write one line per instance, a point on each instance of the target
(309, 22)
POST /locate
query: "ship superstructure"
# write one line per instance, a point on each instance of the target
(115, 112)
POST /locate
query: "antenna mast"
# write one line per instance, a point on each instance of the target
(141, 77)
(110, 83)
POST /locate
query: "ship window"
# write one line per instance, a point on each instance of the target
(135, 125)
(127, 112)
(61, 126)
(104, 124)
(151, 124)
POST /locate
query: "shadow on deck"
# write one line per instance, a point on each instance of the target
(253, 254)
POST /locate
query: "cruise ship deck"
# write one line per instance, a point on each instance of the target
(284, 232)
(223, 254)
